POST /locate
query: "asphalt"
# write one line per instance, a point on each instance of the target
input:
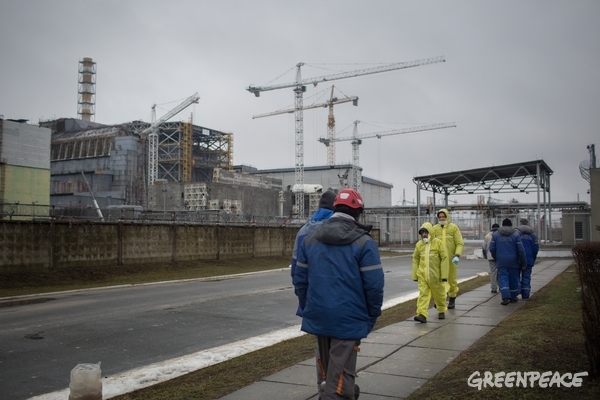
(397, 360)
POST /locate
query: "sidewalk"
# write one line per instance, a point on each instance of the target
(396, 360)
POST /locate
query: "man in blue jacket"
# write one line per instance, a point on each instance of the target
(531, 246)
(339, 283)
(507, 249)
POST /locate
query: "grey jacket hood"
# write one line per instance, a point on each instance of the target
(525, 229)
(506, 230)
(339, 230)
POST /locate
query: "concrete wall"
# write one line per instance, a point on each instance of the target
(255, 201)
(44, 245)
(39, 246)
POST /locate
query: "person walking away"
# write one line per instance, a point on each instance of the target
(324, 212)
(430, 271)
(339, 282)
(485, 247)
(450, 235)
(531, 246)
(507, 249)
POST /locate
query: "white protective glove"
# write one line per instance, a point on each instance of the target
(455, 260)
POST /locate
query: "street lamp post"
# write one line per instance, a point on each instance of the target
(109, 210)
(164, 192)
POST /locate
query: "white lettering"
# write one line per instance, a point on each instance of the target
(568, 376)
(577, 381)
(487, 379)
(499, 379)
(544, 379)
(533, 376)
(521, 379)
(474, 380)
(555, 379)
(510, 377)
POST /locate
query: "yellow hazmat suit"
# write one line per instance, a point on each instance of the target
(451, 236)
(429, 267)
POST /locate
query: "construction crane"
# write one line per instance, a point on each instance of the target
(299, 87)
(330, 118)
(152, 133)
(332, 100)
(357, 141)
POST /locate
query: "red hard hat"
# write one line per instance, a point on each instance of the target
(350, 198)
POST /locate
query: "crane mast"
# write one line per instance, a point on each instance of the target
(299, 87)
(331, 130)
(356, 141)
(299, 140)
(152, 133)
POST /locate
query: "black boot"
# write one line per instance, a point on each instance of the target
(356, 392)
(451, 301)
(420, 318)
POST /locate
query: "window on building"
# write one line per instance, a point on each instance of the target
(578, 230)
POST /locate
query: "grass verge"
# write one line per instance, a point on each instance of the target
(543, 335)
(16, 284)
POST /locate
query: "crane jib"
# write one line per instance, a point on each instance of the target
(343, 75)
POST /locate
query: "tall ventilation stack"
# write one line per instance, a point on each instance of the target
(86, 105)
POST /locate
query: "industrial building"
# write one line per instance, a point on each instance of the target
(109, 164)
(374, 193)
(24, 168)
(194, 172)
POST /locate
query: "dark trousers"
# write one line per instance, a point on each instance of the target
(508, 280)
(526, 282)
(339, 373)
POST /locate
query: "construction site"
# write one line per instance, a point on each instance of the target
(77, 169)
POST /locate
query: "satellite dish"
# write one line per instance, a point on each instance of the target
(584, 169)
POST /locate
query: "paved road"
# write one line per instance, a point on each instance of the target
(126, 328)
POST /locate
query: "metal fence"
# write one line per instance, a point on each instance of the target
(137, 214)
(567, 229)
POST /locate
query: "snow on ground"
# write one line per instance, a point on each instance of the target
(142, 377)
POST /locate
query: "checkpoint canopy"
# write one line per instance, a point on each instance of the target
(523, 177)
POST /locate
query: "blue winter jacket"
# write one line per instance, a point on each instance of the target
(339, 280)
(530, 243)
(317, 219)
(507, 249)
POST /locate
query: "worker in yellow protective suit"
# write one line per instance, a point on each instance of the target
(430, 270)
(449, 233)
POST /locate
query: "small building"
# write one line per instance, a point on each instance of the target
(24, 169)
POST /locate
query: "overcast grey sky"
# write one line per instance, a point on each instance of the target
(520, 80)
